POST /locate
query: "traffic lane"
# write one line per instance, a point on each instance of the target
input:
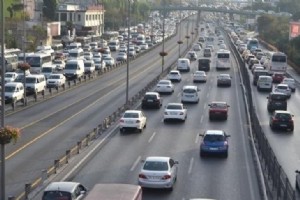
(173, 134)
(288, 157)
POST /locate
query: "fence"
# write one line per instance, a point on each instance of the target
(277, 182)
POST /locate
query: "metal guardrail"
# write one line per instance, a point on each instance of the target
(277, 182)
(103, 126)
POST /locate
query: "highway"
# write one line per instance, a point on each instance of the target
(51, 127)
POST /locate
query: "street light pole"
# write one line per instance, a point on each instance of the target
(128, 42)
(2, 191)
(24, 52)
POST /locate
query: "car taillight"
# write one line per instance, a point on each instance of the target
(275, 120)
(137, 121)
(142, 176)
(165, 177)
(225, 143)
(181, 113)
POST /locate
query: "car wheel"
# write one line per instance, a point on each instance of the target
(140, 130)
(145, 126)
(291, 129)
(226, 154)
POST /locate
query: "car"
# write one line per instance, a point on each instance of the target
(100, 65)
(218, 110)
(199, 76)
(204, 64)
(257, 66)
(56, 80)
(106, 52)
(276, 101)
(144, 46)
(109, 61)
(121, 56)
(298, 180)
(158, 172)
(151, 99)
(88, 55)
(278, 77)
(64, 190)
(222, 46)
(174, 75)
(175, 111)
(190, 94)
(133, 120)
(211, 47)
(282, 119)
(123, 48)
(207, 52)
(214, 142)
(283, 88)
(60, 64)
(164, 86)
(10, 76)
(13, 92)
(196, 47)
(290, 82)
(252, 61)
(132, 52)
(257, 73)
(224, 80)
(192, 55)
(97, 55)
(89, 66)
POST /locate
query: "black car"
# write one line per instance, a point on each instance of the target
(204, 64)
(151, 100)
(282, 120)
(276, 101)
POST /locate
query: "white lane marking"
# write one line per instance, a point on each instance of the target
(201, 120)
(152, 136)
(191, 165)
(207, 94)
(178, 95)
(135, 163)
(197, 138)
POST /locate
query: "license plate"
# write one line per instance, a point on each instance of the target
(213, 148)
(283, 125)
(173, 113)
(189, 95)
(150, 100)
(129, 122)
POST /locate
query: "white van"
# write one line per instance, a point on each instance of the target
(183, 64)
(74, 69)
(114, 45)
(190, 94)
(265, 83)
(35, 83)
(14, 92)
(76, 54)
(89, 67)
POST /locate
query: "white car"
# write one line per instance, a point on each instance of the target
(133, 119)
(290, 82)
(10, 76)
(283, 88)
(123, 49)
(175, 111)
(199, 76)
(164, 86)
(174, 75)
(121, 56)
(109, 61)
(88, 55)
(56, 80)
(158, 172)
(98, 65)
(197, 47)
(60, 64)
(144, 46)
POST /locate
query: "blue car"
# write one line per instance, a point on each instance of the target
(214, 142)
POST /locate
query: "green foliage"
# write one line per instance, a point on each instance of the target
(49, 9)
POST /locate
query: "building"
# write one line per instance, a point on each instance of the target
(88, 20)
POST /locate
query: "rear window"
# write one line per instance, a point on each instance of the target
(279, 58)
(278, 97)
(285, 116)
(56, 195)
(203, 61)
(156, 166)
(189, 90)
(131, 115)
(150, 96)
(214, 138)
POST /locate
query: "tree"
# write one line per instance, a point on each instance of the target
(49, 9)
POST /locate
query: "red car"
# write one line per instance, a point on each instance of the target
(218, 110)
(278, 77)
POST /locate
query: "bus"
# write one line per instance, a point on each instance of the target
(113, 191)
(252, 43)
(276, 62)
(11, 62)
(110, 35)
(223, 59)
(38, 60)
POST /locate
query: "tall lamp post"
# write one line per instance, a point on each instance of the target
(163, 53)
(179, 42)
(2, 191)
(128, 42)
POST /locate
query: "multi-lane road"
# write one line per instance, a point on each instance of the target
(50, 128)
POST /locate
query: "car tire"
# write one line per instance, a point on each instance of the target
(140, 130)
(145, 126)
(226, 154)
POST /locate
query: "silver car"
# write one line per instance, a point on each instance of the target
(158, 172)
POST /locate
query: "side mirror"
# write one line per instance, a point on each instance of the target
(176, 162)
(142, 161)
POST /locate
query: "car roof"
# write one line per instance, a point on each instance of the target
(189, 87)
(283, 84)
(133, 111)
(152, 93)
(158, 158)
(214, 132)
(12, 83)
(282, 111)
(174, 104)
(61, 186)
(219, 102)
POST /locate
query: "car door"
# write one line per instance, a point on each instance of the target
(173, 169)
(143, 118)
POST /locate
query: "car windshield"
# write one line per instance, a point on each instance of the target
(218, 105)
(199, 73)
(71, 66)
(156, 166)
(8, 75)
(46, 69)
(87, 64)
(284, 116)
(56, 195)
(54, 77)
(131, 115)
(214, 138)
(10, 88)
(30, 80)
(174, 107)
(150, 96)
(189, 90)
(282, 87)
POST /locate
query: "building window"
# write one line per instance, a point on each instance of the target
(70, 17)
(86, 18)
(79, 17)
(90, 17)
(63, 17)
